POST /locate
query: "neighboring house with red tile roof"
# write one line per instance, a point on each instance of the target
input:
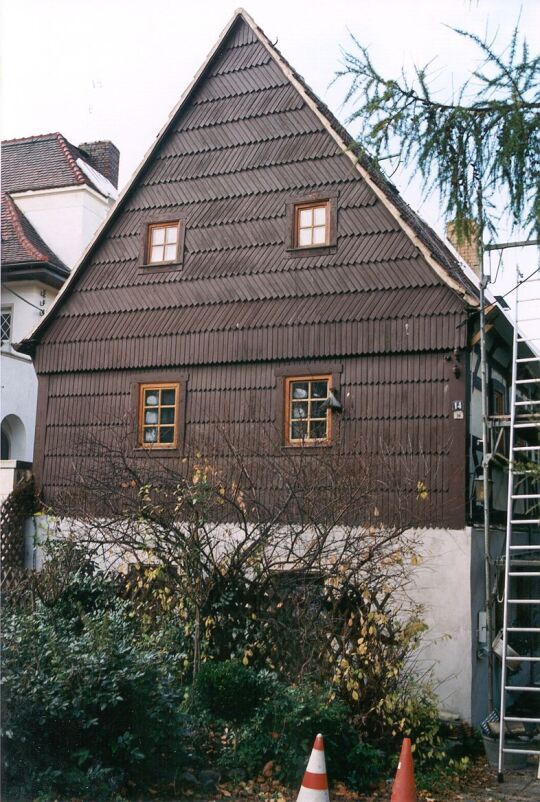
(54, 197)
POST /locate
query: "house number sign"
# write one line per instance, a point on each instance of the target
(457, 407)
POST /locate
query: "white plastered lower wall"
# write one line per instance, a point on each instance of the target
(440, 582)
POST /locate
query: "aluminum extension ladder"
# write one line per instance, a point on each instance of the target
(523, 523)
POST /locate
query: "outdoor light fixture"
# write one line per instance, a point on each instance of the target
(332, 402)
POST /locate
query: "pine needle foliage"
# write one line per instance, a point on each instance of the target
(480, 149)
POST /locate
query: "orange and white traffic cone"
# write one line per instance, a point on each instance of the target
(404, 788)
(315, 783)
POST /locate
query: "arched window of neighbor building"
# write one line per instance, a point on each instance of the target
(13, 438)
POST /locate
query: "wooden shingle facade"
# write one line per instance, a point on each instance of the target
(381, 306)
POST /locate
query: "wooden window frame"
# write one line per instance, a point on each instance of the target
(312, 205)
(172, 224)
(160, 221)
(155, 385)
(287, 406)
(293, 206)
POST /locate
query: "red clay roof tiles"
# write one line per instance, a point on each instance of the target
(21, 244)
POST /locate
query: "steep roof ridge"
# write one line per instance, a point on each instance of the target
(27, 345)
(66, 150)
(374, 176)
(330, 123)
(31, 138)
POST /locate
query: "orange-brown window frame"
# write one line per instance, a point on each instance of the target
(321, 441)
(298, 208)
(162, 224)
(141, 410)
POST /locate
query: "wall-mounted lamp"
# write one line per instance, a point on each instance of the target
(333, 402)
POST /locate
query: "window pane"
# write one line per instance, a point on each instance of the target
(150, 398)
(318, 410)
(317, 430)
(319, 235)
(319, 389)
(166, 434)
(299, 389)
(6, 327)
(171, 234)
(299, 409)
(304, 236)
(158, 236)
(298, 431)
(170, 253)
(167, 415)
(151, 416)
(168, 397)
(305, 217)
(156, 254)
(319, 216)
(150, 435)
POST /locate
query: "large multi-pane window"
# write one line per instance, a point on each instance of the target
(307, 418)
(158, 415)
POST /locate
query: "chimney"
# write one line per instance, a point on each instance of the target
(103, 157)
(466, 247)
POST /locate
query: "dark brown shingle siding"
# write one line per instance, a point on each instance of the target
(242, 147)
(396, 403)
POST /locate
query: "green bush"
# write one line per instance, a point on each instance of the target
(229, 691)
(94, 692)
(282, 730)
(411, 711)
(91, 699)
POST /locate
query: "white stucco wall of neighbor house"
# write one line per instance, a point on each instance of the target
(65, 218)
(27, 303)
(441, 584)
(18, 405)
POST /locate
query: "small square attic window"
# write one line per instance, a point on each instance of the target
(163, 240)
(312, 227)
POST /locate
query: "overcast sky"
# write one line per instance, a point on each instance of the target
(114, 69)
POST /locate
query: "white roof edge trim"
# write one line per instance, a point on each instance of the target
(241, 12)
(31, 193)
(434, 264)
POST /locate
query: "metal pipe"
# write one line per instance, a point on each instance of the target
(485, 476)
(486, 440)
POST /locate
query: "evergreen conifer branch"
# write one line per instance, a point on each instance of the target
(481, 143)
